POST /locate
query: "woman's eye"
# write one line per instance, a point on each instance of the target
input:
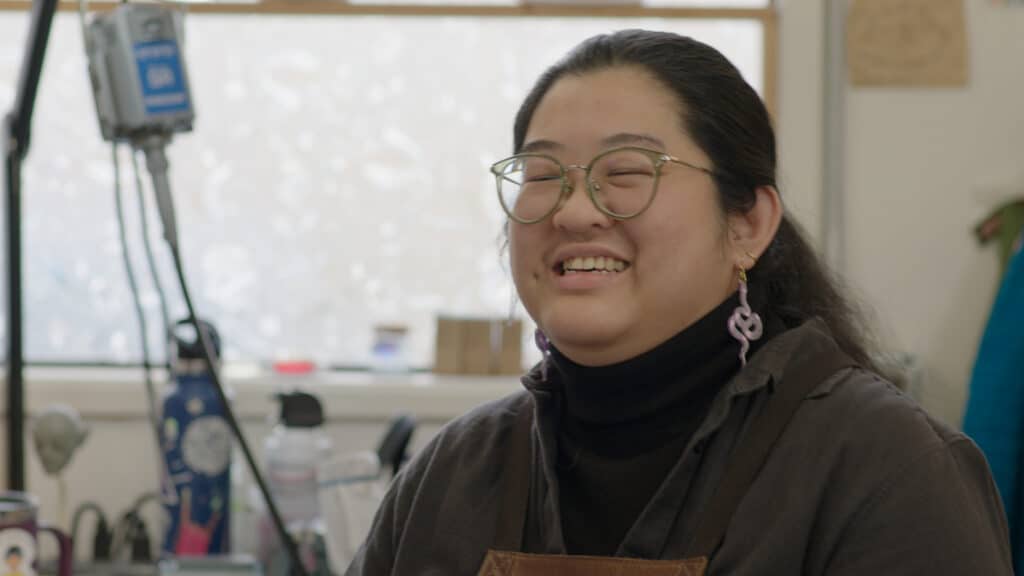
(628, 172)
(542, 177)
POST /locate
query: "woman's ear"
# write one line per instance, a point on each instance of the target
(750, 233)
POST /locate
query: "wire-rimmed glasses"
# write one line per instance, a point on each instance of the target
(621, 182)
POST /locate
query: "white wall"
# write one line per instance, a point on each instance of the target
(922, 167)
(799, 117)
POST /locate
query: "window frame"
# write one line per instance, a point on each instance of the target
(767, 16)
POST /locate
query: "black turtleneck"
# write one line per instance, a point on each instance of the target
(624, 426)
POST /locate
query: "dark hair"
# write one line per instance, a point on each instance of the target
(13, 551)
(728, 120)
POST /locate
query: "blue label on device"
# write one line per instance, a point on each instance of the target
(160, 74)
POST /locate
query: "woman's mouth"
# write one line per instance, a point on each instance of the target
(590, 265)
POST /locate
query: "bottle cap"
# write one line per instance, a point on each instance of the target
(187, 344)
(300, 410)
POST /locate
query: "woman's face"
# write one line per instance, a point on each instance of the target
(676, 264)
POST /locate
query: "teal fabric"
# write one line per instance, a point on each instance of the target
(995, 409)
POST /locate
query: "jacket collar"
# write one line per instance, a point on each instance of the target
(764, 367)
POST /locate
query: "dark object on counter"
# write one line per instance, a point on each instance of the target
(393, 448)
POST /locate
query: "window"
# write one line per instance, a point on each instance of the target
(336, 178)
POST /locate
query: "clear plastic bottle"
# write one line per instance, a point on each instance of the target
(292, 452)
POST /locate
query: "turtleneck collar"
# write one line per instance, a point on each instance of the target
(640, 404)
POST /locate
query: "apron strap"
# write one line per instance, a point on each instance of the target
(804, 373)
(515, 490)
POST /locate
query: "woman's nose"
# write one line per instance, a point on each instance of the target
(578, 211)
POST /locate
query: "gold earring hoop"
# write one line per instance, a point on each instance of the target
(743, 269)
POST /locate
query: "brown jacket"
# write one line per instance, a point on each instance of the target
(861, 482)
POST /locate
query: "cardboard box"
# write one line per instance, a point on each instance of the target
(478, 346)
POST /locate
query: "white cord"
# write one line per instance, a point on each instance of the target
(130, 272)
(83, 7)
(151, 261)
(62, 502)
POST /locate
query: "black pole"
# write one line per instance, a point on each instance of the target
(15, 386)
(17, 129)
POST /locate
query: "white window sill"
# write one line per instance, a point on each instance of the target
(119, 393)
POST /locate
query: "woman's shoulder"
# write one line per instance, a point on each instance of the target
(484, 425)
(470, 444)
(434, 513)
(855, 403)
(891, 472)
(876, 443)
(868, 409)
(863, 430)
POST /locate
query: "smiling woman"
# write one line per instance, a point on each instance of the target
(708, 401)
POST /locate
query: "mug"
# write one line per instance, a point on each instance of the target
(18, 529)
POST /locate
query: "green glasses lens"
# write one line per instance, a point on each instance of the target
(529, 186)
(623, 181)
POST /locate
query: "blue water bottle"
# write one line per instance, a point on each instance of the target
(197, 451)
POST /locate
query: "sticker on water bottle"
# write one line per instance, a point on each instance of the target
(206, 445)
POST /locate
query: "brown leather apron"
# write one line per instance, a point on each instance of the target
(504, 559)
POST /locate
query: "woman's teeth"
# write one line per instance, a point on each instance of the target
(593, 264)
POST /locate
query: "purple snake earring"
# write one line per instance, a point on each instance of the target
(744, 324)
(545, 349)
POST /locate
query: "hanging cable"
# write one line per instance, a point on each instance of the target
(150, 260)
(139, 312)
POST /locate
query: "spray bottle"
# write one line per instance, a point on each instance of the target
(196, 443)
